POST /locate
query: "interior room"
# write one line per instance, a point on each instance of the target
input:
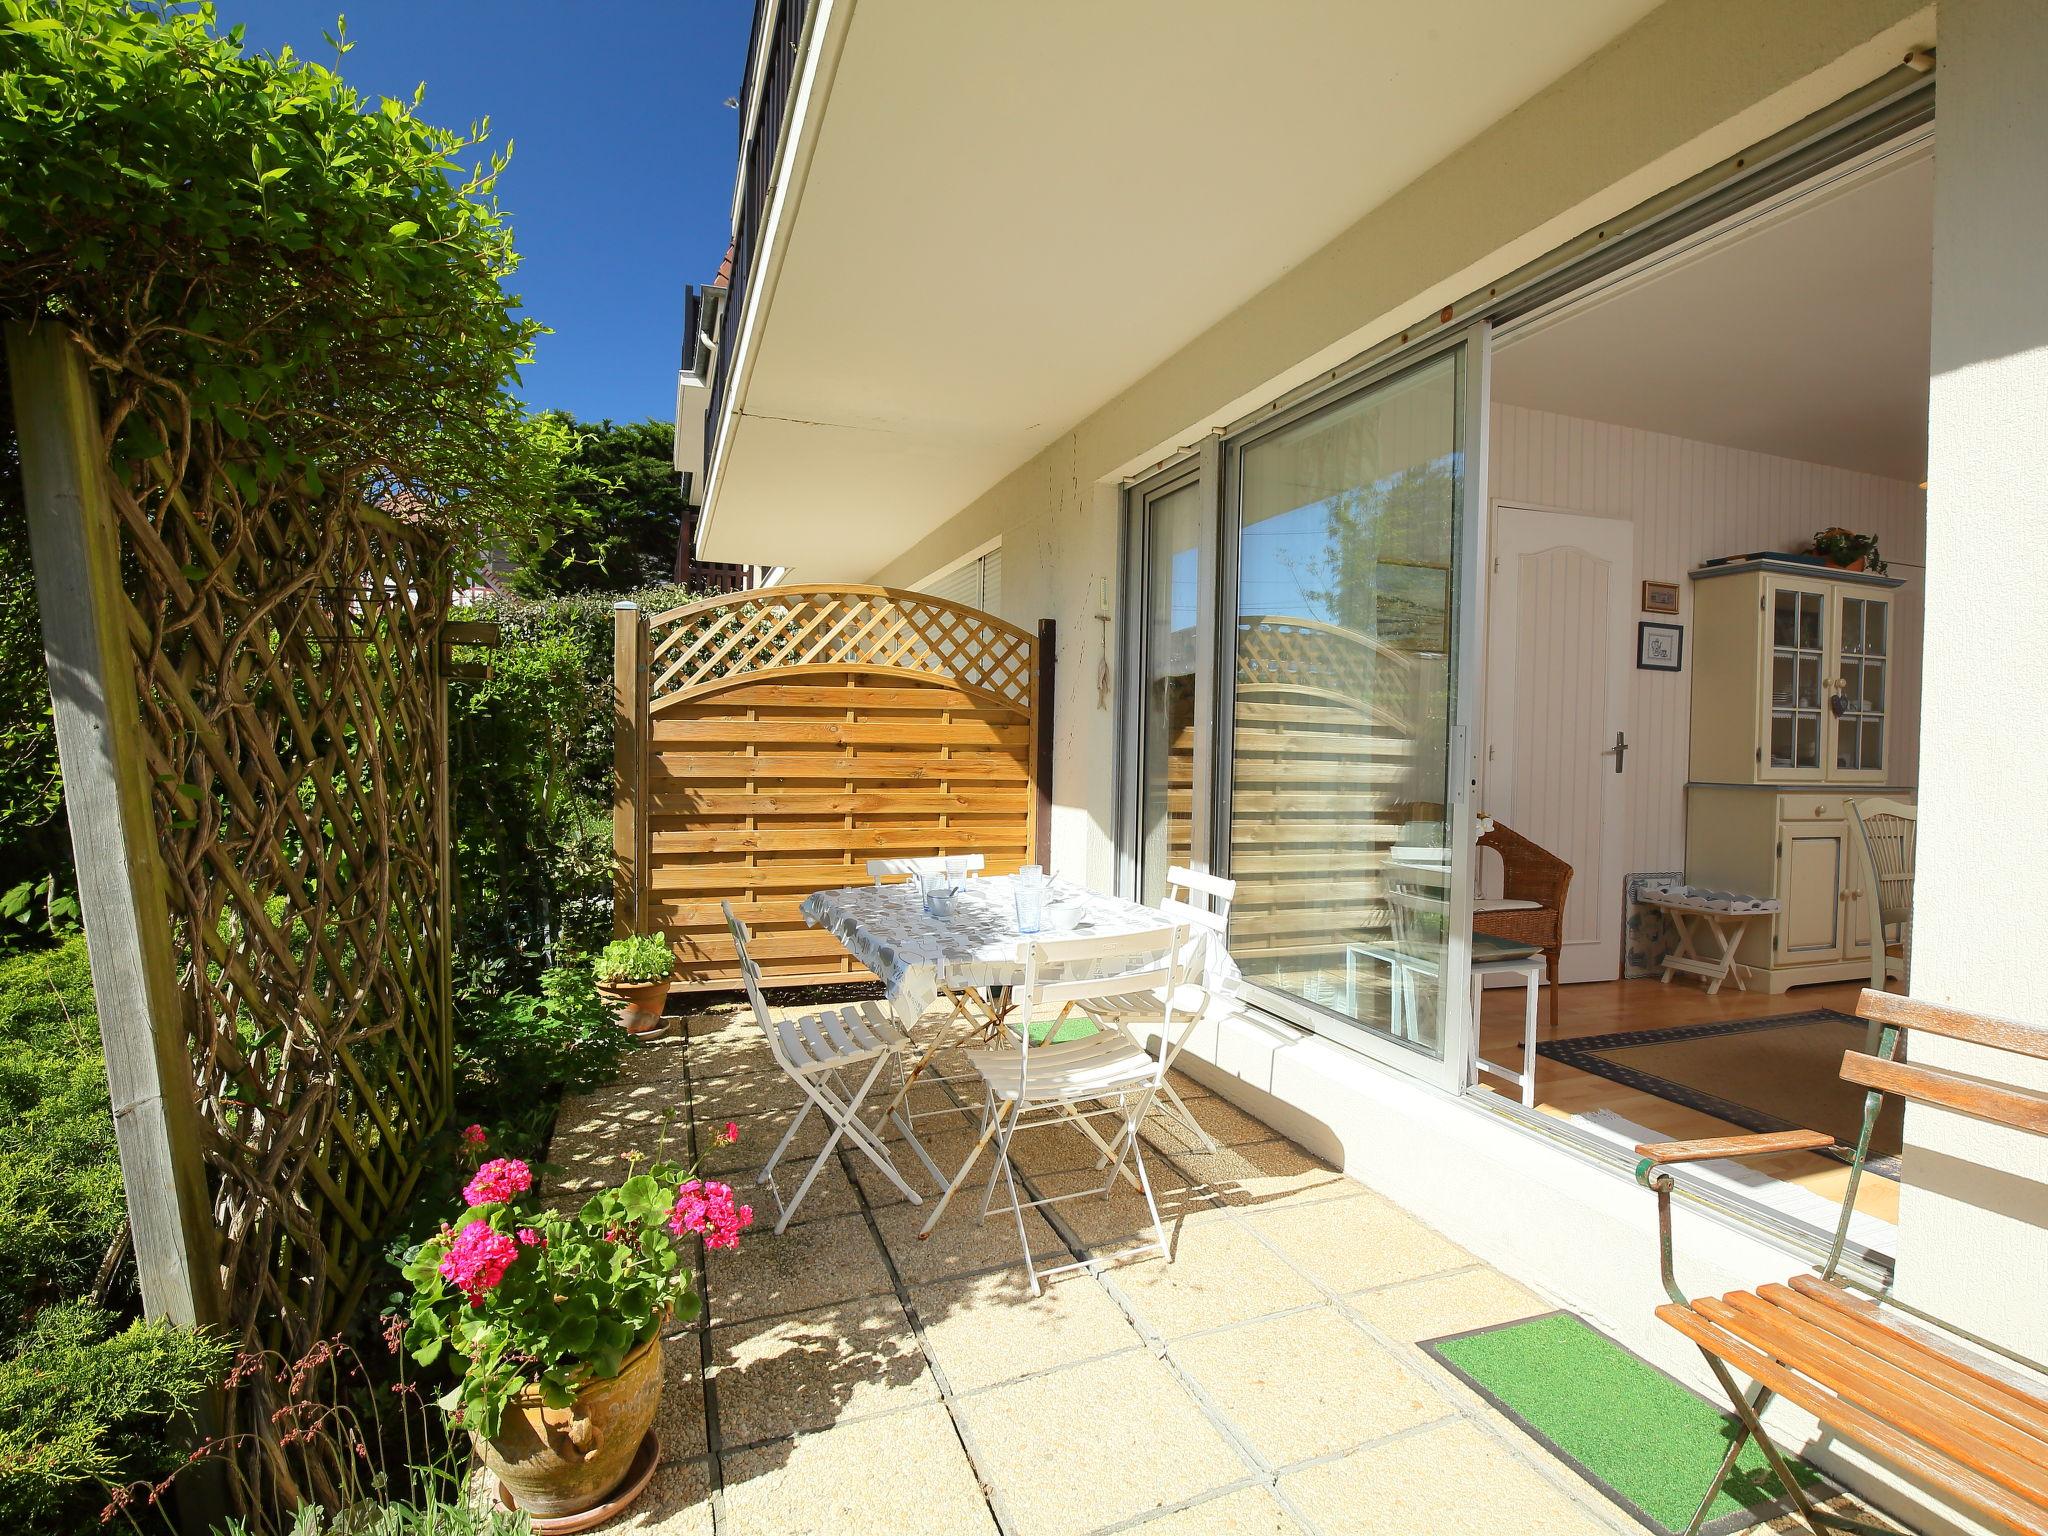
(1695, 740)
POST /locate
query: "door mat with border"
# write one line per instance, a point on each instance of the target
(1643, 1438)
(1781, 1073)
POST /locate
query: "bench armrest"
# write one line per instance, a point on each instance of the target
(1656, 1153)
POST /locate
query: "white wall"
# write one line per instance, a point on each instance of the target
(1690, 502)
(1973, 1215)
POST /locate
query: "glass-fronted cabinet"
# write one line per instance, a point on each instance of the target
(1792, 674)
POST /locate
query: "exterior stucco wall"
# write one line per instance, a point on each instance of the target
(1696, 82)
(1973, 1214)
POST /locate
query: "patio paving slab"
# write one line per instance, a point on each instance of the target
(1453, 1478)
(1443, 1304)
(1247, 1512)
(1095, 1444)
(811, 1265)
(1357, 1243)
(986, 1329)
(1221, 1274)
(677, 1503)
(789, 1375)
(903, 1473)
(1306, 1384)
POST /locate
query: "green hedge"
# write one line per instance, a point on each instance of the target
(531, 755)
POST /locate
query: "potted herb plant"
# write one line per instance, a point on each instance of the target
(1848, 551)
(633, 972)
(552, 1325)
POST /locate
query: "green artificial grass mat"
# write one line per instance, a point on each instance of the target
(1076, 1026)
(1646, 1440)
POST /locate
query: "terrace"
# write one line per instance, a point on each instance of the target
(848, 1378)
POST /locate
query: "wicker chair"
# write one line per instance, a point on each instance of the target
(1530, 874)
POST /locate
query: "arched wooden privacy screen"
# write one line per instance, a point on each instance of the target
(771, 742)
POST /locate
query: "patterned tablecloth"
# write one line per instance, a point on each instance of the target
(885, 929)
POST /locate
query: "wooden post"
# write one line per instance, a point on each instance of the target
(1041, 754)
(121, 888)
(630, 681)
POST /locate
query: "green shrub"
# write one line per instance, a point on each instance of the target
(635, 959)
(516, 1055)
(60, 1180)
(531, 755)
(86, 1403)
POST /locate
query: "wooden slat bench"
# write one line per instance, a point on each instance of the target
(1872, 1370)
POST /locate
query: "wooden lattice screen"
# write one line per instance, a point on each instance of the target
(281, 707)
(771, 742)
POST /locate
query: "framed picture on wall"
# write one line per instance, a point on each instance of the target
(1660, 647)
(1660, 597)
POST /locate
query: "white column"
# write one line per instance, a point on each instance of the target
(1974, 1210)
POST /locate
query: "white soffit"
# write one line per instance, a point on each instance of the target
(1015, 211)
(1802, 333)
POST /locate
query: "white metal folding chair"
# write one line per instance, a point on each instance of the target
(1207, 926)
(966, 866)
(822, 1052)
(1103, 1076)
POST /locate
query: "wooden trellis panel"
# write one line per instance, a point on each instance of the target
(283, 673)
(772, 742)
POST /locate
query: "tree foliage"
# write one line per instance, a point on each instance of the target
(313, 278)
(616, 511)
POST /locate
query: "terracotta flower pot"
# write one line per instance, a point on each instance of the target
(641, 1003)
(562, 1461)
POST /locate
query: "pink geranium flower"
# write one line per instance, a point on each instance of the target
(473, 1136)
(732, 1132)
(477, 1260)
(708, 1209)
(528, 1237)
(498, 1180)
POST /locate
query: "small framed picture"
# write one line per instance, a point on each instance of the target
(1660, 647)
(1660, 597)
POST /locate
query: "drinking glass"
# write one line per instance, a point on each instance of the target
(1030, 898)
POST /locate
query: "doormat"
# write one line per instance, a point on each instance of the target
(1644, 1439)
(1777, 1074)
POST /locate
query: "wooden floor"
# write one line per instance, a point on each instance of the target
(1601, 1008)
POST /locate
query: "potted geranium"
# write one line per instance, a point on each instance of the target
(633, 972)
(552, 1325)
(1848, 551)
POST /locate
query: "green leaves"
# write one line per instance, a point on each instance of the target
(404, 229)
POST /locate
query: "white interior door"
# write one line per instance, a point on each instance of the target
(1557, 693)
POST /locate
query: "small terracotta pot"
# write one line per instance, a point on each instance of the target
(640, 1003)
(562, 1461)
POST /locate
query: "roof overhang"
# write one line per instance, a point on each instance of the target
(991, 220)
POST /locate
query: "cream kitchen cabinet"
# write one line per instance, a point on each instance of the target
(1797, 846)
(1791, 674)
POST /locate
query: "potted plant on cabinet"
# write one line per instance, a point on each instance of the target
(552, 1325)
(633, 972)
(1848, 551)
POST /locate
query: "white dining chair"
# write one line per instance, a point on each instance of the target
(1887, 832)
(822, 1053)
(1208, 925)
(965, 866)
(1103, 1077)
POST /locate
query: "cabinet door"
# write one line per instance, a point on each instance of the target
(1795, 707)
(1859, 687)
(1811, 861)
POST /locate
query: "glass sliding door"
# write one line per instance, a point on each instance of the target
(1166, 548)
(1346, 824)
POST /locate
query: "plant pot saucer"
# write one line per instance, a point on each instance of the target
(639, 1473)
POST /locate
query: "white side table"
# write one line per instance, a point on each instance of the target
(1720, 931)
(1530, 968)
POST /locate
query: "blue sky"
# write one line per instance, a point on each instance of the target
(620, 185)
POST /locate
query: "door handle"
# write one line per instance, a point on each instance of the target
(1619, 751)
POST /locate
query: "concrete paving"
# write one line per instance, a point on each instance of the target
(847, 1378)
